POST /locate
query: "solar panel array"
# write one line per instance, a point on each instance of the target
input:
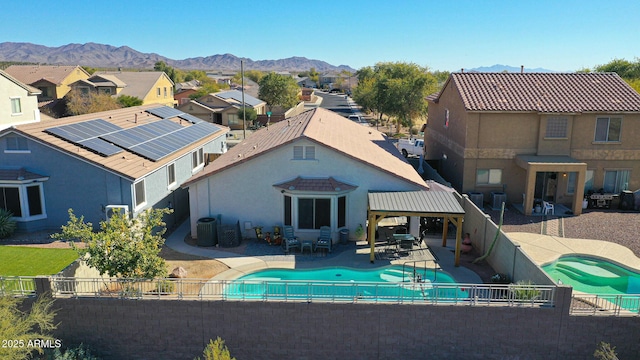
(154, 140)
(86, 134)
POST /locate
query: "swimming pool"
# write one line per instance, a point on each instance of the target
(392, 283)
(594, 276)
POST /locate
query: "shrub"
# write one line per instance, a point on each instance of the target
(604, 351)
(524, 290)
(7, 224)
(216, 350)
(500, 278)
(80, 352)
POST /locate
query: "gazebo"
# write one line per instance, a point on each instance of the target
(431, 203)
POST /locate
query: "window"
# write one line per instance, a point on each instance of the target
(171, 174)
(608, 129)
(16, 107)
(197, 158)
(616, 180)
(342, 211)
(24, 201)
(233, 119)
(446, 118)
(489, 176)
(556, 127)
(158, 91)
(165, 91)
(140, 195)
(304, 152)
(16, 143)
(287, 210)
(314, 213)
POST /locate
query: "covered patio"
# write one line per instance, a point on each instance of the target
(437, 204)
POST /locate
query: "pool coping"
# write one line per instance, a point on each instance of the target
(544, 249)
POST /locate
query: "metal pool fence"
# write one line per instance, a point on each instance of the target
(618, 305)
(251, 290)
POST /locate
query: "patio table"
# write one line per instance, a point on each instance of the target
(306, 244)
(406, 240)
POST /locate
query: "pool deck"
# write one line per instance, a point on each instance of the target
(355, 257)
(544, 249)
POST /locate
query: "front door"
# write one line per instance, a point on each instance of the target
(546, 186)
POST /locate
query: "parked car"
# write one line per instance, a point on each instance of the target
(359, 119)
(413, 147)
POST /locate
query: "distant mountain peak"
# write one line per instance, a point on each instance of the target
(507, 68)
(102, 55)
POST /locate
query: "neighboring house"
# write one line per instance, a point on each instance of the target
(102, 84)
(133, 158)
(152, 87)
(188, 85)
(222, 107)
(183, 96)
(314, 169)
(306, 82)
(18, 104)
(536, 136)
(52, 80)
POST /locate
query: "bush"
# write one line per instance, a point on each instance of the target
(500, 278)
(216, 350)
(524, 290)
(80, 352)
(7, 224)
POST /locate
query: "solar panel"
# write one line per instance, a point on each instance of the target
(190, 118)
(86, 134)
(128, 138)
(165, 112)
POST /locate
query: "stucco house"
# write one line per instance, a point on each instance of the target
(152, 87)
(222, 107)
(52, 80)
(131, 159)
(536, 136)
(19, 103)
(313, 169)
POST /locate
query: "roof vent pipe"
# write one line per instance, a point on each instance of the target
(135, 119)
(521, 69)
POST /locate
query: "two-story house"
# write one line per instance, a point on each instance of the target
(19, 102)
(222, 107)
(52, 80)
(130, 159)
(536, 136)
(152, 87)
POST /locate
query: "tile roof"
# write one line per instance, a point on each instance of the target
(544, 92)
(237, 96)
(19, 175)
(29, 74)
(326, 128)
(125, 163)
(30, 89)
(315, 184)
(138, 83)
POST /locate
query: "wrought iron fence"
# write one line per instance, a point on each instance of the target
(412, 292)
(608, 305)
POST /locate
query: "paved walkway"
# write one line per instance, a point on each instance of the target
(353, 256)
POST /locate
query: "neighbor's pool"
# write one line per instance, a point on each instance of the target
(391, 283)
(594, 276)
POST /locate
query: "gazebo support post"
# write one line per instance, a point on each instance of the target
(445, 228)
(372, 232)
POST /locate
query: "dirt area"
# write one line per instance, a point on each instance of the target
(197, 267)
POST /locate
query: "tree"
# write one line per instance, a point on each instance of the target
(171, 72)
(254, 75)
(206, 89)
(24, 330)
(278, 90)
(78, 103)
(604, 351)
(249, 112)
(627, 70)
(129, 101)
(123, 247)
(216, 350)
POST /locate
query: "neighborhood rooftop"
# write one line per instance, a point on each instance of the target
(127, 159)
(544, 92)
(326, 128)
(30, 74)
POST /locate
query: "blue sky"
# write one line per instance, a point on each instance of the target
(561, 35)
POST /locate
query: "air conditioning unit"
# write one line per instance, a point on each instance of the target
(497, 198)
(477, 198)
(109, 210)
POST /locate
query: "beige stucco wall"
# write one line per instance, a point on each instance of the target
(492, 140)
(28, 103)
(77, 74)
(246, 192)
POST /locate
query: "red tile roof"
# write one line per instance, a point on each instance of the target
(315, 184)
(544, 92)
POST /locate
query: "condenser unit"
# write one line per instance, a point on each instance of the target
(477, 198)
(497, 198)
(109, 210)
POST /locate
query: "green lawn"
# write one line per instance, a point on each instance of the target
(31, 261)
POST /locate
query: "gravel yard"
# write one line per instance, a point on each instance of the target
(612, 225)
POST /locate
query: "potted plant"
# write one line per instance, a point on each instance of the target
(500, 278)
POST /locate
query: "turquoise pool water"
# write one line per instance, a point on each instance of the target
(594, 276)
(391, 283)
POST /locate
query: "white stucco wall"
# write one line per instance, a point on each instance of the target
(28, 103)
(246, 192)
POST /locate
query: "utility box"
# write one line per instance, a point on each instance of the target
(344, 236)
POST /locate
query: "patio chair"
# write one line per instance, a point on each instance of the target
(289, 241)
(324, 240)
(548, 208)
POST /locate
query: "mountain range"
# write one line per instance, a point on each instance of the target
(510, 69)
(107, 56)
